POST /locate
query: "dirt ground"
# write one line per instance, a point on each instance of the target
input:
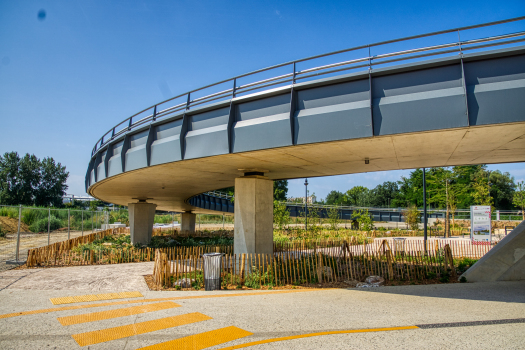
(10, 225)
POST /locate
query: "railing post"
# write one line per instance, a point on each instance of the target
(155, 113)
(18, 233)
(188, 101)
(68, 223)
(293, 78)
(234, 87)
(130, 123)
(49, 226)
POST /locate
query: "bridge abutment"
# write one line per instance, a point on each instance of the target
(187, 221)
(253, 215)
(141, 218)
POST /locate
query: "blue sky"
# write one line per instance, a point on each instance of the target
(67, 79)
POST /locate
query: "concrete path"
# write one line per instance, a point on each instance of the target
(447, 316)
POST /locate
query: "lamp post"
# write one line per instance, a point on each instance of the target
(305, 204)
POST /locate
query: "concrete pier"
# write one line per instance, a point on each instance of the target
(141, 217)
(187, 221)
(253, 215)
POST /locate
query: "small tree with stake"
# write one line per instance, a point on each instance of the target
(519, 198)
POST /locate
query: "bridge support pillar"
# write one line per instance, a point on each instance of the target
(141, 217)
(253, 204)
(187, 221)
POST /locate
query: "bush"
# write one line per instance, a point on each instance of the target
(41, 225)
(2, 232)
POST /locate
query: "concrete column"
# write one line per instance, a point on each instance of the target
(187, 221)
(253, 204)
(141, 217)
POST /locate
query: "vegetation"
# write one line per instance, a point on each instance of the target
(364, 219)
(31, 181)
(519, 198)
(281, 215)
(412, 217)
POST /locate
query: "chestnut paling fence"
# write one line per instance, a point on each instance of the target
(307, 264)
(64, 254)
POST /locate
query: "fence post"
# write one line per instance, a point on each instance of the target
(18, 234)
(68, 223)
(92, 221)
(49, 226)
(82, 212)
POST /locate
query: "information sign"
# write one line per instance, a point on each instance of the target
(480, 224)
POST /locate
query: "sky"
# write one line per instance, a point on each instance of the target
(71, 70)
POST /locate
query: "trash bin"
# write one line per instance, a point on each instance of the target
(212, 271)
(399, 246)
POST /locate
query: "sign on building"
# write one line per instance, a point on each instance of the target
(480, 224)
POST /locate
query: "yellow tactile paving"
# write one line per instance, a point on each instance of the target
(75, 307)
(95, 337)
(94, 297)
(266, 341)
(201, 340)
(105, 315)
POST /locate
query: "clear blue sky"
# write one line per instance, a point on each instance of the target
(69, 77)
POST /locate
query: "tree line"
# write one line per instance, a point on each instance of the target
(28, 180)
(452, 188)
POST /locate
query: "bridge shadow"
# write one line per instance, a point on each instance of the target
(507, 291)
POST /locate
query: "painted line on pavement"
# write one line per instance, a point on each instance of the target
(76, 307)
(266, 341)
(105, 315)
(104, 335)
(94, 297)
(202, 340)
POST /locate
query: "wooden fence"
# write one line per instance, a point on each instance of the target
(312, 265)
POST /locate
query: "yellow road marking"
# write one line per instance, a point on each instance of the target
(76, 307)
(94, 297)
(266, 341)
(201, 340)
(105, 315)
(95, 337)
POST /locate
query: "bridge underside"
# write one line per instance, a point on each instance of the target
(169, 185)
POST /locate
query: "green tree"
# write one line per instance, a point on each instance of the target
(519, 198)
(358, 196)
(280, 190)
(335, 198)
(383, 195)
(502, 188)
(333, 218)
(281, 215)
(412, 217)
(364, 219)
(29, 181)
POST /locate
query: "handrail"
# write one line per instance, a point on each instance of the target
(453, 47)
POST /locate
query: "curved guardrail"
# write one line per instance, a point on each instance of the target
(159, 110)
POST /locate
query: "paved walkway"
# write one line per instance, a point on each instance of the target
(35, 313)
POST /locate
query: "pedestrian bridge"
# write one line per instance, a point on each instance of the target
(452, 103)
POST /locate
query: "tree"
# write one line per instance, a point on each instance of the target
(383, 195)
(335, 198)
(281, 215)
(29, 181)
(364, 219)
(357, 196)
(501, 189)
(333, 218)
(412, 217)
(443, 190)
(280, 190)
(519, 198)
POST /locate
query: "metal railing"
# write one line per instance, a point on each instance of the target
(368, 61)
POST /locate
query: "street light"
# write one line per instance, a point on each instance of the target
(305, 204)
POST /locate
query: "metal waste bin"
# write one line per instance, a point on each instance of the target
(212, 271)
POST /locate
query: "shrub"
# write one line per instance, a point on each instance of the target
(2, 232)
(412, 217)
(41, 225)
(366, 223)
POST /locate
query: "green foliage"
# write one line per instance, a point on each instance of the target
(334, 218)
(364, 219)
(31, 181)
(281, 215)
(171, 241)
(519, 198)
(41, 225)
(358, 196)
(412, 217)
(463, 279)
(335, 198)
(280, 190)
(3, 233)
(257, 277)
(464, 264)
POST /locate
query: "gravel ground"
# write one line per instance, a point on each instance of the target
(271, 314)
